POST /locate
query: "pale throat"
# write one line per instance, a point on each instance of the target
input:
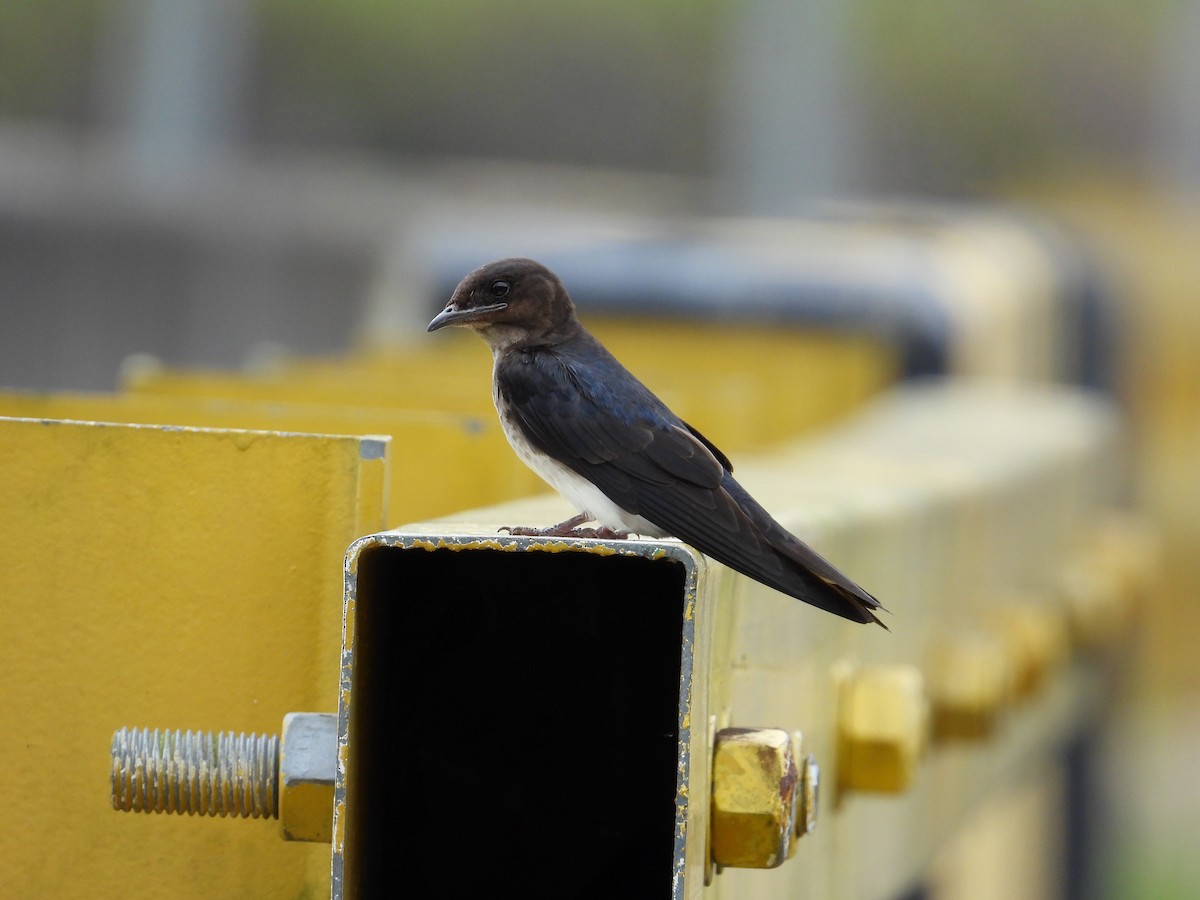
(500, 337)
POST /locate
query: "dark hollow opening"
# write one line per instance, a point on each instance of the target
(515, 724)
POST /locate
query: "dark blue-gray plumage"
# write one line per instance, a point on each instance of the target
(585, 424)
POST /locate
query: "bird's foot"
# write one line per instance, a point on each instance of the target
(569, 528)
(525, 531)
(609, 534)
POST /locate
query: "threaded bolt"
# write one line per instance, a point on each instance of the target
(194, 772)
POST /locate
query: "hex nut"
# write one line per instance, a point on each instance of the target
(1097, 608)
(1132, 546)
(1035, 631)
(1103, 584)
(970, 685)
(755, 794)
(307, 768)
(883, 726)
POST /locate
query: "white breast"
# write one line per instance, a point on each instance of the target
(575, 489)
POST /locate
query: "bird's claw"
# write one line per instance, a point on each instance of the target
(523, 531)
(603, 532)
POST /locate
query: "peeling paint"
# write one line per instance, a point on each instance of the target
(652, 550)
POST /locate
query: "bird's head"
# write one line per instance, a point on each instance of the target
(510, 301)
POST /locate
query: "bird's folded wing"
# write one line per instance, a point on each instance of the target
(619, 436)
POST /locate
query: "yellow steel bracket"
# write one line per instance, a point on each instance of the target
(171, 576)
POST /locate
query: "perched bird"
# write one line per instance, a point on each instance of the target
(597, 435)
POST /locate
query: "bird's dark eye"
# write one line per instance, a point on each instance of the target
(499, 288)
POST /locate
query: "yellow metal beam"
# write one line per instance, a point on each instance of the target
(445, 461)
(163, 576)
(959, 505)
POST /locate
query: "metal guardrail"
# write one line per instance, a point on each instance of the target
(591, 694)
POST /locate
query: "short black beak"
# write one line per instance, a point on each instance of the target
(452, 316)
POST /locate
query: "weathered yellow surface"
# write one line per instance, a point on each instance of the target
(443, 461)
(1147, 240)
(927, 499)
(165, 577)
(944, 500)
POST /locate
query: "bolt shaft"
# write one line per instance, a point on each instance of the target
(194, 772)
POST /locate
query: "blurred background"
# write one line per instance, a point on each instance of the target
(210, 182)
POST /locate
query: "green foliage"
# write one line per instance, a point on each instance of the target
(984, 89)
(490, 78)
(46, 55)
(943, 93)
